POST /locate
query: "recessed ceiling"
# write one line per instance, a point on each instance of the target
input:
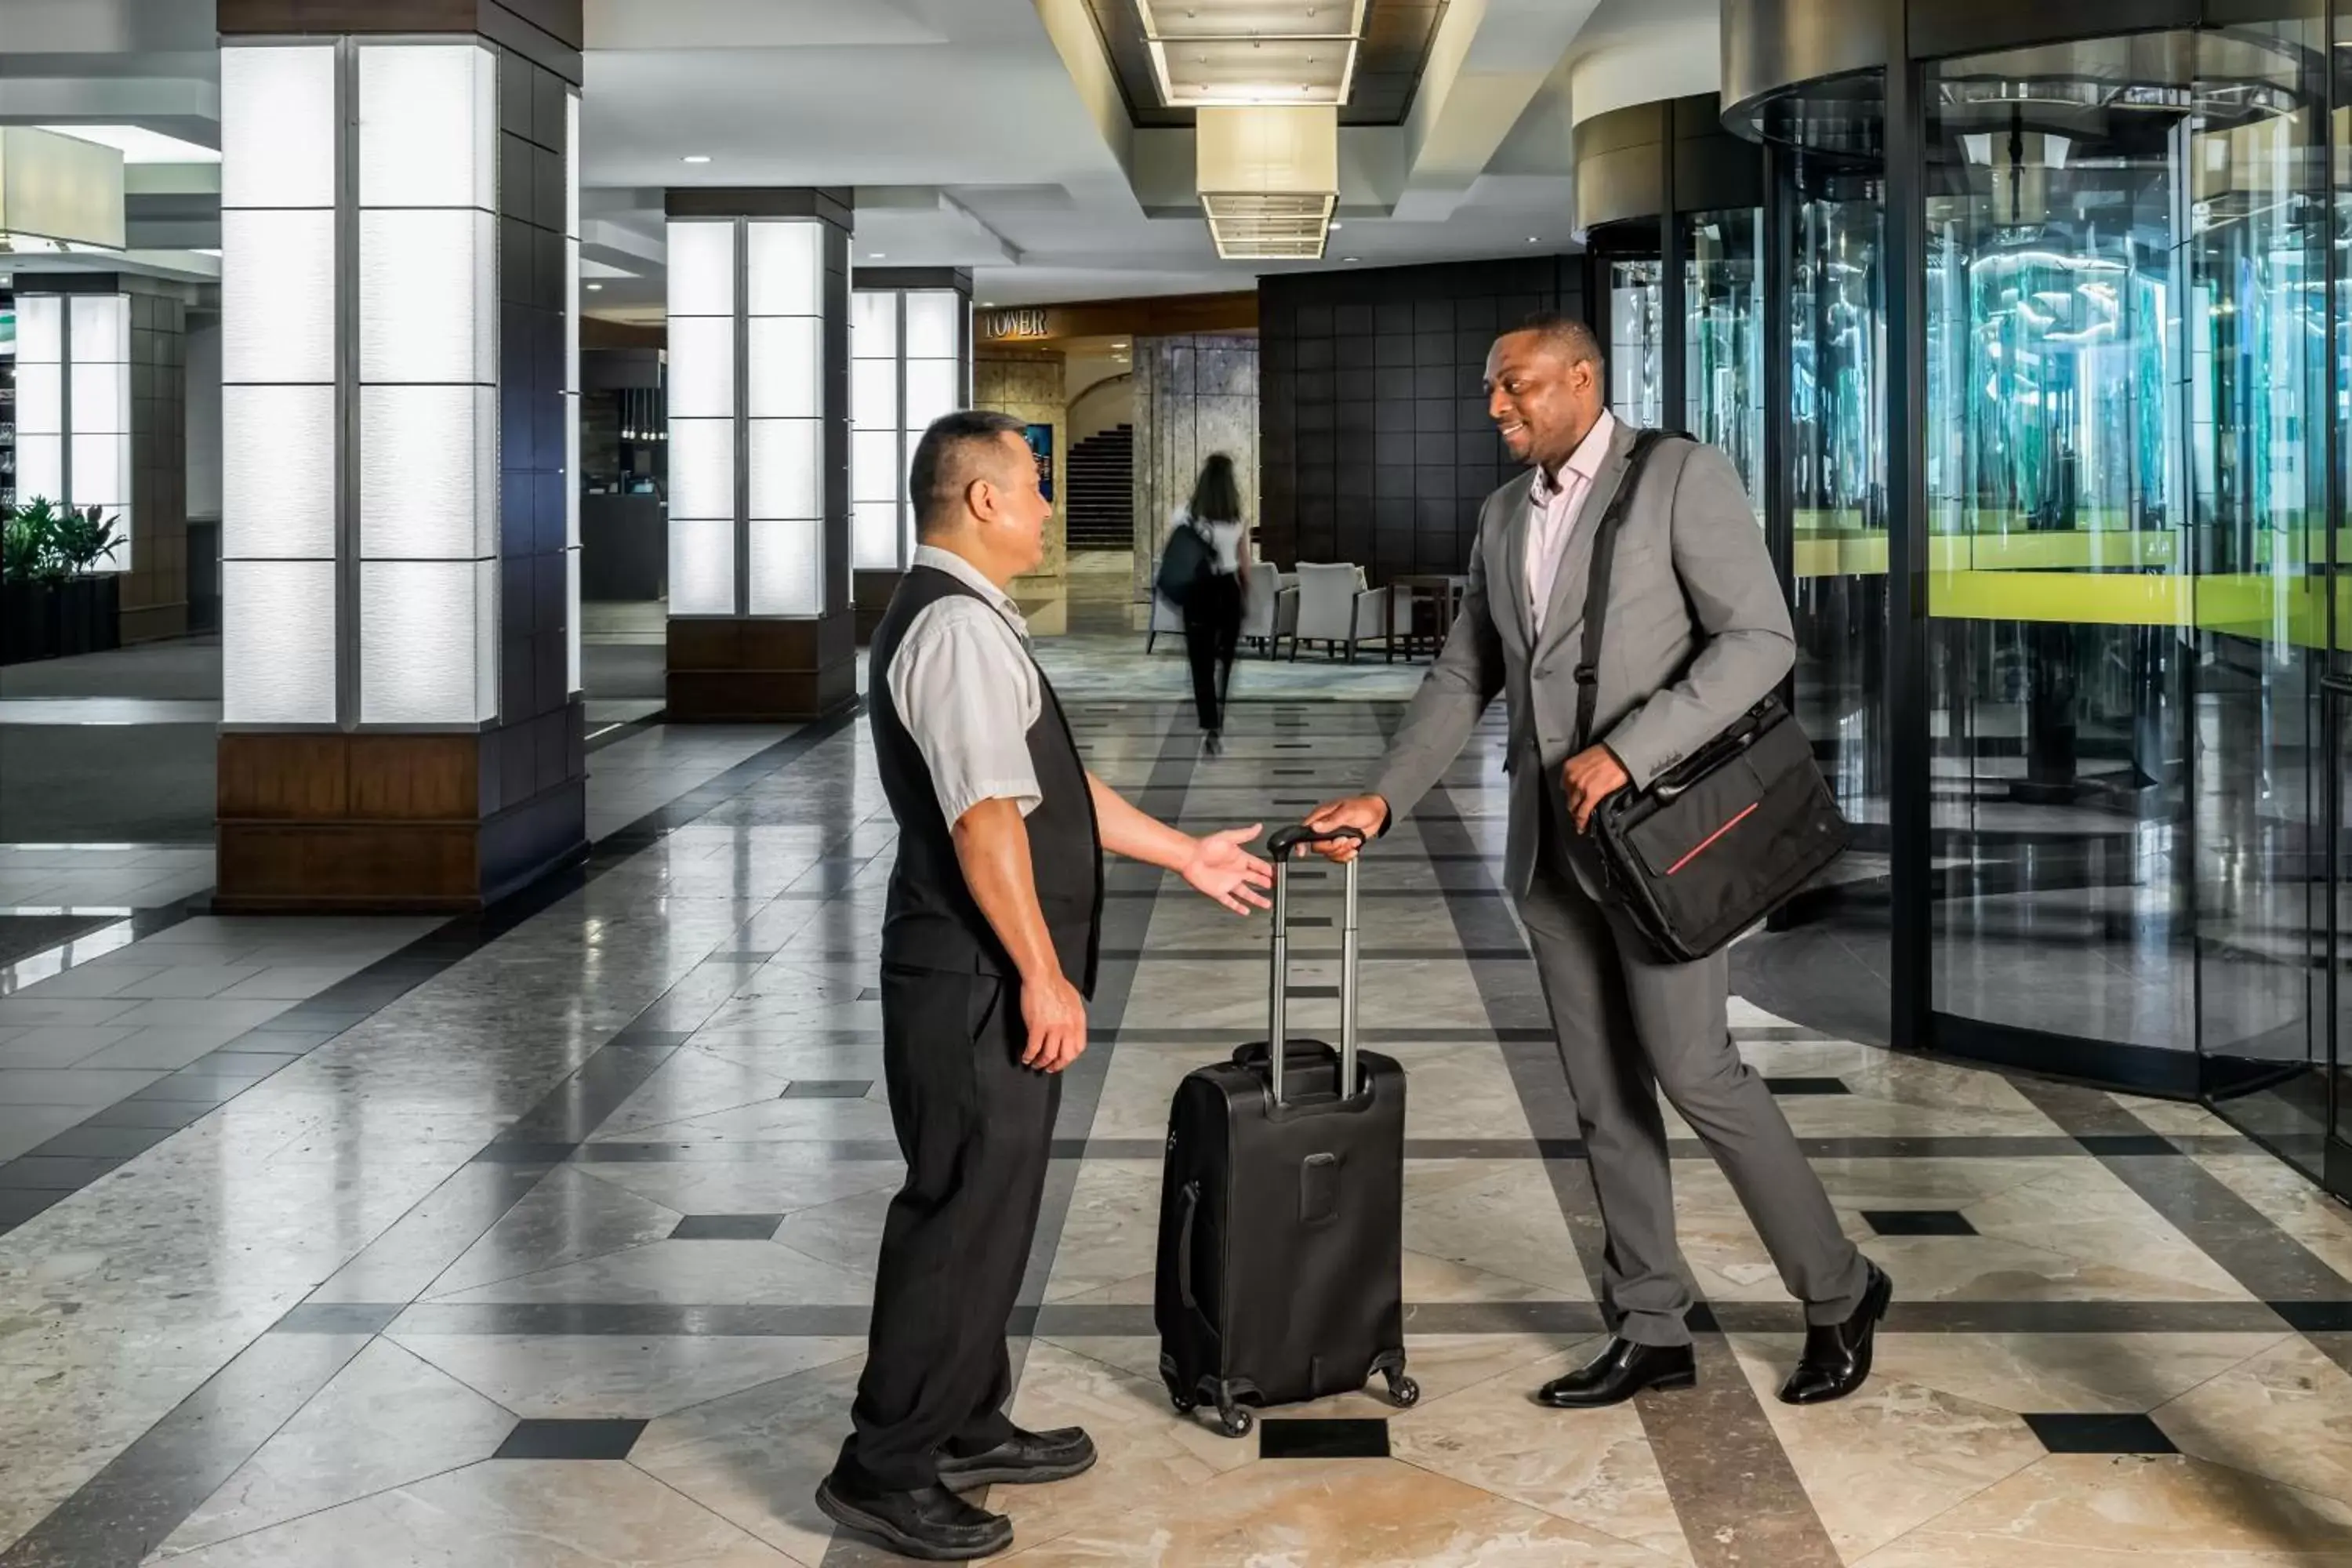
(1207, 53)
(1395, 39)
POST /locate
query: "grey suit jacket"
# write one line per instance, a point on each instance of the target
(1696, 632)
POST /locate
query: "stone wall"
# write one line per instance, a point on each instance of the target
(1028, 384)
(1194, 396)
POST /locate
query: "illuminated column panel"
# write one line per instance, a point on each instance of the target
(427, 383)
(784, 382)
(281, 405)
(703, 267)
(877, 478)
(910, 362)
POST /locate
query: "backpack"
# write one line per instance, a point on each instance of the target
(1188, 558)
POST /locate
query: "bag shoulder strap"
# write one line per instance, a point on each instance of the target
(1604, 555)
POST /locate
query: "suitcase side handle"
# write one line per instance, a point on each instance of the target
(1184, 1246)
(1278, 849)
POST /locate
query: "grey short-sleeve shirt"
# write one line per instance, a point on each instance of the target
(967, 691)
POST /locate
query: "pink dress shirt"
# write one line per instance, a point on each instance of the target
(1552, 507)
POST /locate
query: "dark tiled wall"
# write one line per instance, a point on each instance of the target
(1374, 445)
(155, 590)
(536, 746)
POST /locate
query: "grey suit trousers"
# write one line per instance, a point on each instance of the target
(1630, 1024)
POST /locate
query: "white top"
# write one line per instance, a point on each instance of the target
(967, 691)
(1225, 538)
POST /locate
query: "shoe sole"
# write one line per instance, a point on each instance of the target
(897, 1539)
(1034, 1475)
(1672, 1381)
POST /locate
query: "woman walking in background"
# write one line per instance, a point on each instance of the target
(1212, 609)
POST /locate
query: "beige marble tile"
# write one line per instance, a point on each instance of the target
(2286, 1414)
(1888, 1457)
(513, 1513)
(1364, 1513)
(2151, 1512)
(1594, 1467)
(1501, 1217)
(690, 1084)
(1112, 1231)
(728, 1273)
(2089, 1215)
(2291, 1201)
(581, 1376)
(2170, 1116)
(387, 1419)
(754, 1458)
(2089, 1374)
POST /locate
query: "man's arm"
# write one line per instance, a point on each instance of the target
(1216, 864)
(1454, 692)
(1726, 575)
(992, 843)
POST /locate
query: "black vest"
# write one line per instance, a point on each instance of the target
(931, 921)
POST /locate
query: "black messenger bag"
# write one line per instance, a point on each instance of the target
(1726, 835)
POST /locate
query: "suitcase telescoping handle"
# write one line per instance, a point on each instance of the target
(1278, 849)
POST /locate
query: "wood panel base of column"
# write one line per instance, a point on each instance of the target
(360, 823)
(872, 592)
(746, 670)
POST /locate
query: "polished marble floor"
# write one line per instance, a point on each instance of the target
(545, 1239)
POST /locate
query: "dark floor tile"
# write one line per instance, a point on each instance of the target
(870, 995)
(338, 1318)
(828, 1089)
(18, 1204)
(1807, 1086)
(106, 1142)
(1280, 1439)
(167, 1115)
(550, 1439)
(2076, 1434)
(55, 1172)
(727, 1227)
(526, 1153)
(1918, 1222)
(1315, 993)
(745, 955)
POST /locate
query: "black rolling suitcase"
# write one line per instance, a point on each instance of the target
(1282, 1208)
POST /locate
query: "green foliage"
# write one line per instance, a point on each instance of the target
(41, 542)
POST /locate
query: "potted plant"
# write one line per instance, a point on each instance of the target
(53, 600)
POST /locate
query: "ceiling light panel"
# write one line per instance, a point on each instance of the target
(1221, 52)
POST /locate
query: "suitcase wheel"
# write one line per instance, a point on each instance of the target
(1236, 1420)
(1185, 1405)
(1403, 1391)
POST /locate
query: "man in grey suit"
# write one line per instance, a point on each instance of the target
(1696, 634)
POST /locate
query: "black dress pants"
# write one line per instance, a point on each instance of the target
(1213, 633)
(977, 1130)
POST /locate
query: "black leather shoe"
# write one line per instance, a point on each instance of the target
(1837, 1355)
(1621, 1370)
(1025, 1457)
(933, 1524)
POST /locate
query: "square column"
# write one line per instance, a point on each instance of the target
(761, 626)
(101, 422)
(910, 361)
(401, 723)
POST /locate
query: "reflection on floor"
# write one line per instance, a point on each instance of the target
(546, 1240)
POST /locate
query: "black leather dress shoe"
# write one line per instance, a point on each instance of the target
(1026, 1458)
(1837, 1355)
(1621, 1370)
(932, 1524)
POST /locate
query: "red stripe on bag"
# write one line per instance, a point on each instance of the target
(1713, 836)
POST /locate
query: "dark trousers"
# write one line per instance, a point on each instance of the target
(977, 1130)
(1212, 631)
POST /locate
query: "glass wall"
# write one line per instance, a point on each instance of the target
(1723, 346)
(1636, 341)
(2120, 376)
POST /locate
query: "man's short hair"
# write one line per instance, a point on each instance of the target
(1575, 341)
(948, 458)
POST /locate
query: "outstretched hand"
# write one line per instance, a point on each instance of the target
(1224, 870)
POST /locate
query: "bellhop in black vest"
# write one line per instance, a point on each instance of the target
(975, 1125)
(990, 946)
(932, 922)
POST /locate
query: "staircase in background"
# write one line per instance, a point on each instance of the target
(1101, 477)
